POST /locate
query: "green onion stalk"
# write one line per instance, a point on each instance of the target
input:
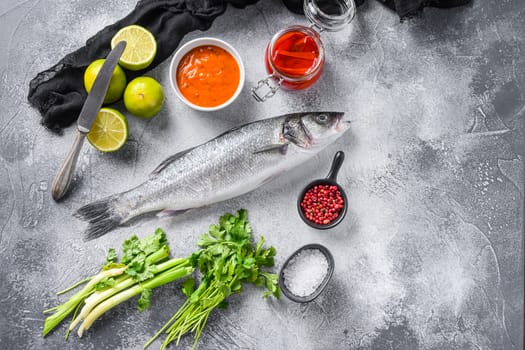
(160, 280)
(62, 311)
(143, 267)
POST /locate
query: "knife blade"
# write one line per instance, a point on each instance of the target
(86, 118)
(96, 96)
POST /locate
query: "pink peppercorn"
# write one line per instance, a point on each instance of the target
(321, 204)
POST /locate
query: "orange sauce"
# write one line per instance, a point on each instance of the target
(208, 76)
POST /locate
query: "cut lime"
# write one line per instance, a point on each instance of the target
(141, 47)
(109, 131)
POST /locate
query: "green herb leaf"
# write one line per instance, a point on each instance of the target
(249, 262)
(237, 287)
(112, 256)
(223, 305)
(154, 242)
(130, 248)
(225, 291)
(272, 284)
(188, 287)
(265, 256)
(216, 232)
(145, 299)
(147, 273)
(105, 283)
(259, 246)
(205, 240)
(225, 222)
(136, 253)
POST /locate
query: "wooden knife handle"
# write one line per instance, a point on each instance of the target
(65, 173)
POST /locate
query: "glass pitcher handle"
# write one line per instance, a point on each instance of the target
(269, 87)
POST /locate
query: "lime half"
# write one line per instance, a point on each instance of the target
(109, 131)
(141, 47)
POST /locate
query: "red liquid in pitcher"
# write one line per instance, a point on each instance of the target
(295, 57)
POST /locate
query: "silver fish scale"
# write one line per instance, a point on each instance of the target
(222, 168)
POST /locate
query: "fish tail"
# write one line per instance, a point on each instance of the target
(102, 216)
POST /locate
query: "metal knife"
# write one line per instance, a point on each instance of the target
(85, 121)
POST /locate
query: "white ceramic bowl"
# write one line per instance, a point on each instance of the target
(184, 49)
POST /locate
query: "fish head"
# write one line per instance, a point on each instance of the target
(314, 130)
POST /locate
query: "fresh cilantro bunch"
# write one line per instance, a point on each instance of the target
(229, 256)
(227, 260)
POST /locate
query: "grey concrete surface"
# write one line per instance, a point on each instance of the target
(430, 255)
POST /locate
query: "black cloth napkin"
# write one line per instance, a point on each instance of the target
(408, 8)
(58, 92)
(404, 8)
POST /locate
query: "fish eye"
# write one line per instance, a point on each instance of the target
(322, 118)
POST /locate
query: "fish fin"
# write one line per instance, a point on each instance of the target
(169, 160)
(231, 130)
(295, 131)
(281, 147)
(170, 212)
(271, 178)
(102, 217)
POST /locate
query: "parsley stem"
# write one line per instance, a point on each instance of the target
(166, 325)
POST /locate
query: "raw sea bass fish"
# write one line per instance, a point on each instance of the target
(234, 163)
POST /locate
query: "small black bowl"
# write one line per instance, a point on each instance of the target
(315, 294)
(331, 179)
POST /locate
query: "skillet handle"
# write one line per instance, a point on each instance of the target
(336, 165)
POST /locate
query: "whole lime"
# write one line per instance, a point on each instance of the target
(143, 97)
(117, 84)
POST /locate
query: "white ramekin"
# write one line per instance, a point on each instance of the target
(184, 49)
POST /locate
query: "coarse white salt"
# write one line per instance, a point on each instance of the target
(305, 272)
